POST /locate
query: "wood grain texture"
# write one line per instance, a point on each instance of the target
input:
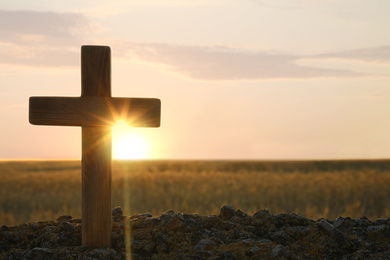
(96, 186)
(94, 111)
(96, 150)
(95, 71)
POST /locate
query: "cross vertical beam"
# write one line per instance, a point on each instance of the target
(96, 151)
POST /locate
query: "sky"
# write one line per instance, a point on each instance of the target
(237, 79)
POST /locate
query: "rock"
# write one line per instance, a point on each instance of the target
(262, 213)
(375, 228)
(64, 218)
(278, 252)
(117, 214)
(226, 213)
(4, 228)
(169, 211)
(144, 215)
(332, 231)
(338, 222)
(65, 226)
(231, 235)
(254, 250)
(381, 221)
(241, 214)
(205, 244)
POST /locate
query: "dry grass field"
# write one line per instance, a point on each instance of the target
(44, 190)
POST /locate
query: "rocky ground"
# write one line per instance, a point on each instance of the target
(231, 235)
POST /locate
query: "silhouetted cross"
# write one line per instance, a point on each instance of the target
(95, 111)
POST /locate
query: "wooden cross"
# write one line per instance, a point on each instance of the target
(95, 111)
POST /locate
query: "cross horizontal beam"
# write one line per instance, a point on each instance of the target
(94, 111)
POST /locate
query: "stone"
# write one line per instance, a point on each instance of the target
(117, 214)
(253, 251)
(5, 228)
(380, 221)
(65, 226)
(143, 215)
(169, 211)
(226, 212)
(205, 244)
(332, 231)
(64, 218)
(338, 222)
(278, 252)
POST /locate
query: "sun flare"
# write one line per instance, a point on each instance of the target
(126, 145)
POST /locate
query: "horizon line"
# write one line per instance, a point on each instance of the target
(202, 159)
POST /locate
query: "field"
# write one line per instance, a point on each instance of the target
(44, 190)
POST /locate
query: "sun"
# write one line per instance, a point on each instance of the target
(127, 145)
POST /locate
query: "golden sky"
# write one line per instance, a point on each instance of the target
(238, 79)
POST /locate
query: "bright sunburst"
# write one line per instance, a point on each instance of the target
(126, 145)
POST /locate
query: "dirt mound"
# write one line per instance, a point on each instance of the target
(231, 235)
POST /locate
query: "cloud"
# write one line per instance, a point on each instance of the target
(42, 23)
(227, 63)
(52, 39)
(378, 54)
(35, 38)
